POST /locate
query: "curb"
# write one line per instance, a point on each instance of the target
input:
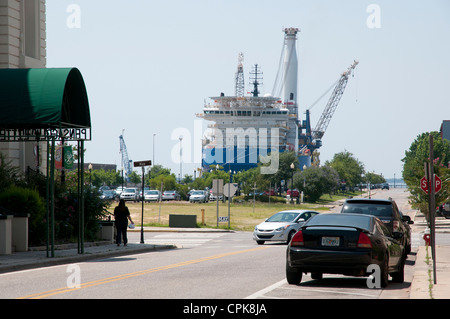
(88, 255)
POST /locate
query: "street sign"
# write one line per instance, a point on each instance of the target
(142, 163)
(223, 219)
(437, 184)
(424, 184)
(233, 189)
(217, 187)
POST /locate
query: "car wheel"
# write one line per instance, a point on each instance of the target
(260, 242)
(399, 276)
(384, 272)
(316, 275)
(293, 275)
(290, 235)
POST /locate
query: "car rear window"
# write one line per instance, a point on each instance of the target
(375, 208)
(363, 222)
(283, 217)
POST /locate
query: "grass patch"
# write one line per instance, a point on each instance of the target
(243, 216)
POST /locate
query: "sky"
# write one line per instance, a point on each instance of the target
(149, 66)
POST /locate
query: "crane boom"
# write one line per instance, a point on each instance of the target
(332, 104)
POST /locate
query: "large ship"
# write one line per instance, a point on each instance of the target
(247, 128)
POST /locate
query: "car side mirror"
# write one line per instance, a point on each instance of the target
(301, 220)
(407, 219)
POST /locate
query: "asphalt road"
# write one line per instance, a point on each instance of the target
(206, 266)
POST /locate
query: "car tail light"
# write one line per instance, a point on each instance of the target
(297, 240)
(364, 241)
(396, 225)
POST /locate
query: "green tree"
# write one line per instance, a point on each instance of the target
(413, 168)
(284, 170)
(316, 181)
(348, 167)
(373, 178)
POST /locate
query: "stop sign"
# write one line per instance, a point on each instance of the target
(424, 184)
(437, 184)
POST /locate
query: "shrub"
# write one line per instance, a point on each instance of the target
(22, 201)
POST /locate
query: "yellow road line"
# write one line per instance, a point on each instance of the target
(53, 292)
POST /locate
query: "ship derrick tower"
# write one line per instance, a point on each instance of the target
(246, 127)
(289, 84)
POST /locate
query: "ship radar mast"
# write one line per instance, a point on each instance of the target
(255, 80)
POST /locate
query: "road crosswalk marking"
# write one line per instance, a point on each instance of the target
(182, 239)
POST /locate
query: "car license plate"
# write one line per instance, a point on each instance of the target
(330, 241)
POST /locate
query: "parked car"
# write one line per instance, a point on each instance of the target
(119, 191)
(104, 188)
(270, 192)
(129, 194)
(171, 195)
(198, 196)
(213, 197)
(345, 244)
(152, 195)
(387, 211)
(108, 194)
(385, 186)
(444, 210)
(141, 193)
(295, 193)
(281, 226)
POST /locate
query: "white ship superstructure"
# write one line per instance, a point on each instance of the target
(247, 127)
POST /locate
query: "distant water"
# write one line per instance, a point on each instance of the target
(397, 183)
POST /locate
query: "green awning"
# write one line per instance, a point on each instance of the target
(43, 98)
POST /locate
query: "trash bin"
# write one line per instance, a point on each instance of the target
(6, 234)
(106, 231)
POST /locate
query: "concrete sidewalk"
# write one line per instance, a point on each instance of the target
(68, 253)
(422, 286)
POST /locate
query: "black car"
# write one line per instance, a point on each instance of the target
(387, 211)
(345, 244)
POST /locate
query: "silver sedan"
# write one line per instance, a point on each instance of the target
(282, 226)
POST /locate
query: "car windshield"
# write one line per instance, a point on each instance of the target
(363, 222)
(375, 208)
(283, 217)
(151, 192)
(129, 190)
(197, 193)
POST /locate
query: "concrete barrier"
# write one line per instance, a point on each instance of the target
(186, 221)
(6, 234)
(19, 234)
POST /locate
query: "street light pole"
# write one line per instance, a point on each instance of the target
(292, 183)
(153, 161)
(181, 159)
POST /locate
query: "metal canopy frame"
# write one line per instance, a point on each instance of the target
(47, 105)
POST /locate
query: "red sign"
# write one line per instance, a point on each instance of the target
(424, 184)
(437, 184)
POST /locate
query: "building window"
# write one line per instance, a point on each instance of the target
(32, 28)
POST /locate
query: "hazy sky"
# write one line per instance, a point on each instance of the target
(149, 67)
